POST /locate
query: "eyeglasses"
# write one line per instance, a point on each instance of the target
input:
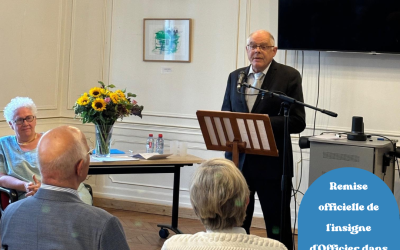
(263, 47)
(20, 121)
(90, 152)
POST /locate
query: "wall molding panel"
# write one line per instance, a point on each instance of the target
(87, 48)
(31, 52)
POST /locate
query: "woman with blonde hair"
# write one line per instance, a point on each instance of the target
(219, 195)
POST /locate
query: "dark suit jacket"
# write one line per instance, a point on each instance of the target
(280, 79)
(59, 220)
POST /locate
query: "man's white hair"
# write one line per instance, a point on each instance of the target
(271, 37)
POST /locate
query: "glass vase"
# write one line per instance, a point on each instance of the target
(103, 140)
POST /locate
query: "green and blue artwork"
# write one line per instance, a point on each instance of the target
(166, 41)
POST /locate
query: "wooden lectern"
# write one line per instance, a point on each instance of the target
(237, 133)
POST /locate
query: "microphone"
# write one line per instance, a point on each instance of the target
(242, 75)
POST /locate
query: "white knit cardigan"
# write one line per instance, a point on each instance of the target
(231, 239)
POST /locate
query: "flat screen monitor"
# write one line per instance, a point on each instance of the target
(371, 26)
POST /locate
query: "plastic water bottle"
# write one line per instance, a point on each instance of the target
(150, 144)
(159, 145)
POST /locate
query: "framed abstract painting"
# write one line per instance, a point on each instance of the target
(166, 40)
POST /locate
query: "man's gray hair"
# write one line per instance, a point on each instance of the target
(219, 194)
(15, 104)
(271, 37)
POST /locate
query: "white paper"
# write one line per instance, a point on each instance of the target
(166, 70)
(150, 156)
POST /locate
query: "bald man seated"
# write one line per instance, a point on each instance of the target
(55, 217)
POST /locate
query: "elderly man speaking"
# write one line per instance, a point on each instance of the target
(55, 217)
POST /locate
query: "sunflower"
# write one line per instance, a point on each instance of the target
(102, 105)
(99, 104)
(83, 100)
(120, 94)
(95, 92)
(114, 97)
(104, 92)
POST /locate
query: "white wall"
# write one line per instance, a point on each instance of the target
(29, 47)
(56, 50)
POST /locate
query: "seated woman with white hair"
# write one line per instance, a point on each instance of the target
(19, 167)
(219, 195)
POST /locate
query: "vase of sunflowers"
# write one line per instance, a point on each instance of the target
(104, 107)
(103, 140)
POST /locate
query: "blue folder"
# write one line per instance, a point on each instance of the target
(113, 151)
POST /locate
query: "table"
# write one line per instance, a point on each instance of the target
(172, 164)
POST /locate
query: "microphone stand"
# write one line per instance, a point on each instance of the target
(286, 102)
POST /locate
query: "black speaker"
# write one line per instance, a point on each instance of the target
(304, 142)
(357, 130)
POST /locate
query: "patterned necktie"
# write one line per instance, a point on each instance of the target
(251, 99)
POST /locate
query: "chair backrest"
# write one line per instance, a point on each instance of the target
(89, 188)
(7, 196)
